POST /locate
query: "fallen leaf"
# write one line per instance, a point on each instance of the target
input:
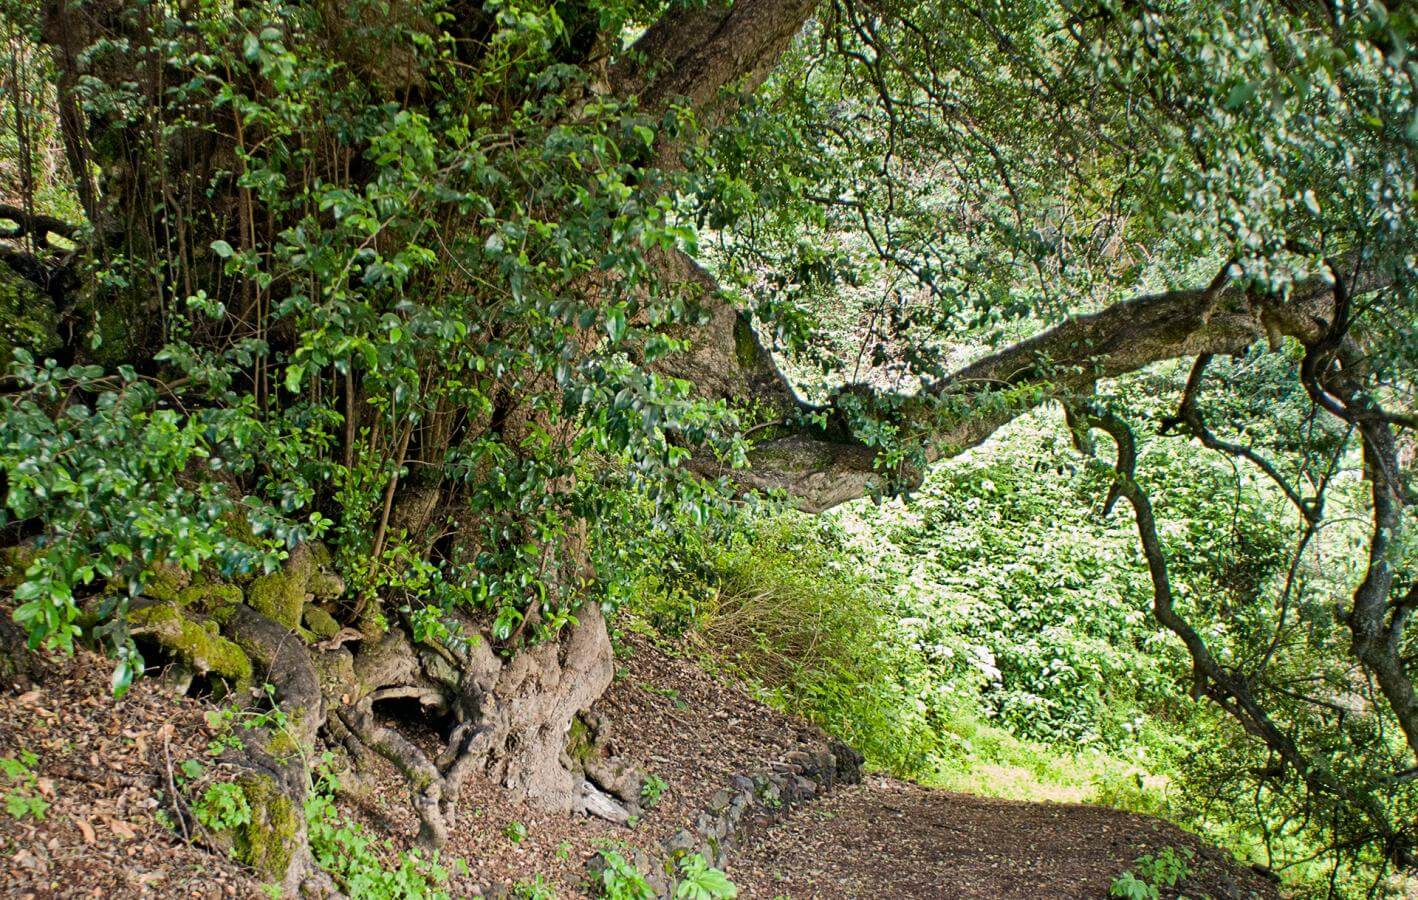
(86, 830)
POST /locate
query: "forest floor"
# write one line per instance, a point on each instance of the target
(102, 766)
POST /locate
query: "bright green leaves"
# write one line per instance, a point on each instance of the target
(700, 881)
(111, 484)
(615, 324)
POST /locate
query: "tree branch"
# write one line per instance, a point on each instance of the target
(35, 225)
(693, 51)
(820, 463)
(1227, 688)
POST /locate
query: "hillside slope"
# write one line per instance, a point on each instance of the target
(103, 767)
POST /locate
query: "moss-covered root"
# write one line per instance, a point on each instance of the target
(194, 641)
(283, 596)
(270, 842)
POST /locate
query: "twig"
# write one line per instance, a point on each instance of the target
(172, 785)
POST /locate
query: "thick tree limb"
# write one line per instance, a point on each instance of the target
(821, 467)
(693, 51)
(35, 225)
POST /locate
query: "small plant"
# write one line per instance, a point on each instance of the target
(516, 832)
(231, 723)
(22, 798)
(653, 789)
(701, 881)
(223, 807)
(622, 881)
(191, 769)
(357, 862)
(1149, 874)
(536, 889)
(563, 851)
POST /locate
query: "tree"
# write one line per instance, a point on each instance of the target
(430, 282)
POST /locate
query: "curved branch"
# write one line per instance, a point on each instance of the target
(35, 225)
(1189, 415)
(820, 464)
(1226, 688)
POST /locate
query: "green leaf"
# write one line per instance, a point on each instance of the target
(615, 323)
(1240, 95)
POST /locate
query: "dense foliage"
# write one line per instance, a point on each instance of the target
(435, 277)
(421, 280)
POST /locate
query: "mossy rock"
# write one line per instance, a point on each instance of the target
(164, 581)
(28, 318)
(282, 596)
(209, 596)
(194, 641)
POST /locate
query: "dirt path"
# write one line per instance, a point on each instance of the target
(889, 839)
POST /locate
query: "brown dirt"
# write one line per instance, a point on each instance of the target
(888, 838)
(103, 763)
(102, 766)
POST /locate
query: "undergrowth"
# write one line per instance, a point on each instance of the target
(991, 636)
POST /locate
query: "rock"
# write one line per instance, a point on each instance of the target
(320, 622)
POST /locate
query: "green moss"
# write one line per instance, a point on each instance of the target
(163, 582)
(267, 843)
(14, 561)
(578, 742)
(124, 320)
(194, 641)
(746, 344)
(210, 596)
(284, 743)
(320, 623)
(279, 597)
(28, 317)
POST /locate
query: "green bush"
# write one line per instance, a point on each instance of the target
(777, 602)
